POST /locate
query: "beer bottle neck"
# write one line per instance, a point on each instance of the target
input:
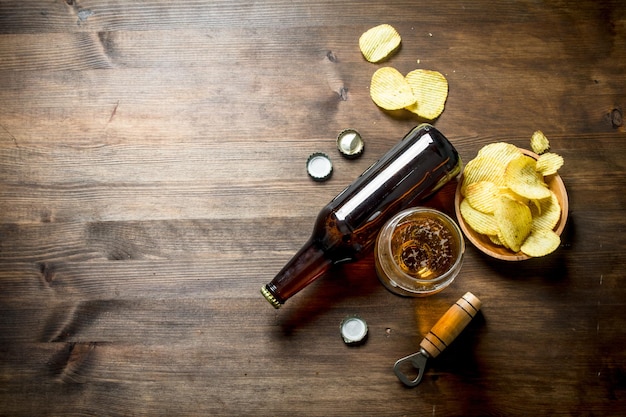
(306, 266)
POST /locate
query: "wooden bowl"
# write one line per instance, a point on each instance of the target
(482, 242)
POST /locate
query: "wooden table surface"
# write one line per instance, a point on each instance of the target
(152, 179)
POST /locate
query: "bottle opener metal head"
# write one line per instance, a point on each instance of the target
(440, 336)
(418, 361)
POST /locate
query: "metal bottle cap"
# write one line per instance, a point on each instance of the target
(319, 167)
(350, 143)
(353, 330)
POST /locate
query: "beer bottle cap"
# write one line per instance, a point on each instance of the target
(350, 143)
(353, 330)
(319, 167)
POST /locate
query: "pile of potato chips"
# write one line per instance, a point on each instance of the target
(507, 199)
(423, 92)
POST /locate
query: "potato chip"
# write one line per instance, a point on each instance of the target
(549, 163)
(379, 42)
(502, 151)
(548, 215)
(500, 238)
(541, 243)
(512, 194)
(514, 222)
(482, 195)
(535, 207)
(430, 89)
(390, 90)
(521, 177)
(539, 142)
(483, 168)
(480, 222)
(495, 240)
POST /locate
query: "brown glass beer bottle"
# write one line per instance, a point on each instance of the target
(421, 163)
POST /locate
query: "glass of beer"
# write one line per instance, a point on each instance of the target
(419, 252)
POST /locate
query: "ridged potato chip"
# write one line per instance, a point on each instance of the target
(502, 151)
(430, 89)
(495, 240)
(481, 222)
(539, 142)
(500, 238)
(512, 194)
(514, 222)
(482, 195)
(535, 207)
(390, 90)
(522, 177)
(548, 214)
(549, 163)
(541, 243)
(483, 168)
(379, 42)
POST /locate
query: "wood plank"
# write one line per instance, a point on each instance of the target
(97, 367)
(92, 15)
(154, 178)
(153, 239)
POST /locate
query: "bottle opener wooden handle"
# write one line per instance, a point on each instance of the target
(447, 328)
(451, 324)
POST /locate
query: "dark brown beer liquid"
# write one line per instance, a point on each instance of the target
(424, 248)
(347, 227)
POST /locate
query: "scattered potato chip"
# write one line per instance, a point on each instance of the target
(430, 89)
(423, 92)
(379, 42)
(522, 177)
(481, 222)
(541, 243)
(549, 163)
(390, 90)
(482, 195)
(549, 213)
(539, 142)
(514, 222)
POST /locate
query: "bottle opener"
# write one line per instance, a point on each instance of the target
(449, 326)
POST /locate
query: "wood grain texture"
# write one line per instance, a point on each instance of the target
(152, 179)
